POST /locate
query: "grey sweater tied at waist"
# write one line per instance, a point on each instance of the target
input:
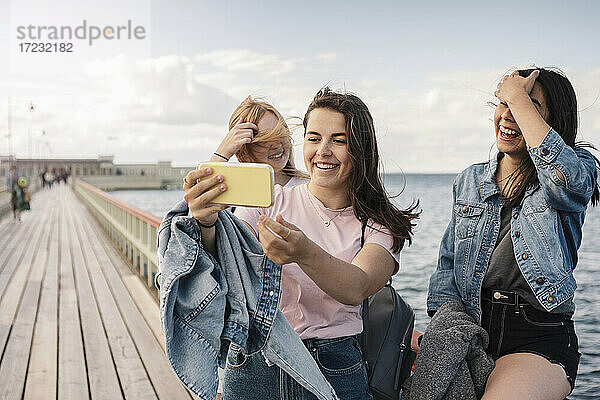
(452, 362)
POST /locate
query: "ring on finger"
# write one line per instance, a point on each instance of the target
(289, 232)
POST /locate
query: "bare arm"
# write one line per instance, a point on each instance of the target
(348, 283)
(238, 136)
(533, 126)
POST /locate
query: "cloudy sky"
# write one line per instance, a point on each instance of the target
(425, 69)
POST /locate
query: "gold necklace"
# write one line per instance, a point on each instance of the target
(325, 221)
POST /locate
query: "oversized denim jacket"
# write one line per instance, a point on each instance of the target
(205, 304)
(546, 228)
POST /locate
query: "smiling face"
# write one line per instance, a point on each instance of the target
(277, 153)
(326, 149)
(509, 138)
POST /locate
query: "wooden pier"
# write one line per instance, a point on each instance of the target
(75, 321)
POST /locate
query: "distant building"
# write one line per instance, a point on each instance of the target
(87, 167)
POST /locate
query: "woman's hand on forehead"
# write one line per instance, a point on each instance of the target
(239, 135)
(514, 85)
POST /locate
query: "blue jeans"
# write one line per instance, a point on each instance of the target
(340, 360)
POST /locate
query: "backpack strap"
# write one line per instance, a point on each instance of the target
(365, 305)
(364, 336)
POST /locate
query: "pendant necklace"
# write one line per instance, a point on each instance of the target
(327, 222)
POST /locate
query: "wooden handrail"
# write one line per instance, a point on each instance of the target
(141, 214)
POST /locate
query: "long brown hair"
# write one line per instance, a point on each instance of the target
(563, 118)
(367, 194)
(252, 110)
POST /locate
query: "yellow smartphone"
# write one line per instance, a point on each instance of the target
(248, 184)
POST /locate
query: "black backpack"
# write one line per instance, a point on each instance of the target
(388, 323)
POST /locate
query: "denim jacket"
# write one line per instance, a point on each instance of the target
(206, 304)
(546, 228)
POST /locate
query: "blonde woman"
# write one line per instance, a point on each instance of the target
(258, 133)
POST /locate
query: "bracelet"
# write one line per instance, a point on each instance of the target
(219, 155)
(207, 226)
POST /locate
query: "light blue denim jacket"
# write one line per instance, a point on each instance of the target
(206, 304)
(545, 228)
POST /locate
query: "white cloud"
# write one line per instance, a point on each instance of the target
(587, 87)
(162, 90)
(153, 107)
(431, 98)
(176, 108)
(249, 61)
(443, 128)
(327, 58)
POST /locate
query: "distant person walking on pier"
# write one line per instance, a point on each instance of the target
(47, 182)
(62, 176)
(50, 178)
(17, 185)
(43, 178)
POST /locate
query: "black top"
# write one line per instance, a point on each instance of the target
(503, 272)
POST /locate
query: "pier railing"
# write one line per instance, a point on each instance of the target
(133, 230)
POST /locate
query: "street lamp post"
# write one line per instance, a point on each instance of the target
(31, 109)
(11, 151)
(9, 131)
(40, 141)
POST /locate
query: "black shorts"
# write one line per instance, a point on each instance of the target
(517, 327)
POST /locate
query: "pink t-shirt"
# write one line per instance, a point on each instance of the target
(311, 312)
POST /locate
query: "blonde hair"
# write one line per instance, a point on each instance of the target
(252, 110)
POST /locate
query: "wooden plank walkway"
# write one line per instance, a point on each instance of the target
(75, 321)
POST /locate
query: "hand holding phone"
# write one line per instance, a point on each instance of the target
(248, 184)
(201, 186)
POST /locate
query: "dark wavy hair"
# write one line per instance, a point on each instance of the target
(368, 196)
(563, 117)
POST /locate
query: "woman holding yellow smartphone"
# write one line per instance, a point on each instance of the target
(258, 133)
(314, 230)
